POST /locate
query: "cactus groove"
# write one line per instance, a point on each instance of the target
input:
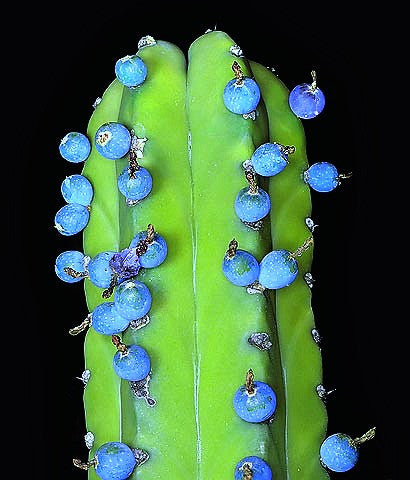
(200, 323)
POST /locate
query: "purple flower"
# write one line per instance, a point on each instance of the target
(125, 264)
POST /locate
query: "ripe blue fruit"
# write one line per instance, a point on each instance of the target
(75, 147)
(71, 219)
(156, 252)
(269, 159)
(255, 406)
(307, 101)
(99, 270)
(277, 269)
(113, 140)
(70, 259)
(133, 364)
(107, 321)
(136, 186)
(339, 453)
(125, 264)
(77, 189)
(322, 177)
(239, 267)
(241, 98)
(114, 461)
(251, 207)
(132, 299)
(241, 94)
(259, 468)
(130, 70)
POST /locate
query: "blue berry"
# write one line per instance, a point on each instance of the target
(269, 159)
(71, 219)
(107, 321)
(132, 299)
(240, 267)
(137, 186)
(70, 259)
(251, 207)
(130, 71)
(257, 406)
(77, 189)
(241, 97)
(99, 270)
(307, 101)
(322, 177)
(113, 140)
(259, 468)
(156, 252)
(75, 147)
(277, 269)
(132, 365)
(125, 264)
(339, 453)
(115, 461)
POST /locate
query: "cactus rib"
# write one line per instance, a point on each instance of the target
(305, 414)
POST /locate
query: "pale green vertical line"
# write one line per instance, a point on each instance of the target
(196, 355)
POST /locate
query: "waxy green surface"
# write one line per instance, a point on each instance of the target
(200, 323)
(305, 418)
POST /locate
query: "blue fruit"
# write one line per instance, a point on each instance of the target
(241, 97)
(156, 252)
(259, 468)
(135, 187)
(307, 101)
(269, 159)
(115, 461)
(242, 269)
(132, 365)
(322, 177)
(251, 207)
(71, 219)
(277, 269)
(132, 299)
(99, 270)
(256, 407)
(77, 189)
(125, 264)
(75, 147)
(113, 140)
(107, 321)
(131, 71)
(339, 453)
(70, 259)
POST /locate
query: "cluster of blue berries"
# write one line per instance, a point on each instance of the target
(132, 298)
(277, 269)
(112, 141)
(77, 190)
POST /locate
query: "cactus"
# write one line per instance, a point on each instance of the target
(205, 336)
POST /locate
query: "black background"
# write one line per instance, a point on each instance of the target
(61, 59)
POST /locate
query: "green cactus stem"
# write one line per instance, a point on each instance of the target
(203, 332)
